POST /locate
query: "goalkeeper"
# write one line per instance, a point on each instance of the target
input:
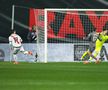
(92, 37)
(103, 37)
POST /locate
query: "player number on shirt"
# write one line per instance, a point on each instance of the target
(16, 40)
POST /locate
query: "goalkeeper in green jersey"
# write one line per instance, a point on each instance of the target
(103, 37)
(92, 37)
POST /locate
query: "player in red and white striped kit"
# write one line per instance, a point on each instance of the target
(15, 42)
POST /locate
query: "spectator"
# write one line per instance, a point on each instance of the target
(32, 36)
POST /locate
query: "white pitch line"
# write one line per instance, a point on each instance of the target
(54, 83)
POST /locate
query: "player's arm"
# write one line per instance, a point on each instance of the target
(100, 36)
(106, 37)
(88, 37)
(20, 39)
(104, 32)
(10, 43)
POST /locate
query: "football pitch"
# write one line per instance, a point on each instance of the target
(53, 76)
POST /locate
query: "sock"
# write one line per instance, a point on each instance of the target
(96, 53)
(85, 53)
(91, 58)
(25, 52)
(94, 56)
(15, 57)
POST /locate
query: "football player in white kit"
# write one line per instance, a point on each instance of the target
(15, 42)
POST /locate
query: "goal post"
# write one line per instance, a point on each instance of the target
(46, 34)
(13, 11)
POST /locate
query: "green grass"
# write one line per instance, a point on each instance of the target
(53, 76)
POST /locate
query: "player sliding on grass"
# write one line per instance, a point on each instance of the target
(15, 42)
(92, 37)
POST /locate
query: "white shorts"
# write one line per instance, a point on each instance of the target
(16, 50)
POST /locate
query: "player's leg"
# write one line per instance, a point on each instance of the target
(90, 50)
(102, 53)
(95, 54)
(25, 52)
(15, 58)
(15, 52)
(92, 56)
(11, 53)
(97, 50)
(84, 54)
(36, 57)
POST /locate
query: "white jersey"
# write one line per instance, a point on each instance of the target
(15, 40)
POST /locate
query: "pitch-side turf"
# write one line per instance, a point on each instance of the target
(53, 76)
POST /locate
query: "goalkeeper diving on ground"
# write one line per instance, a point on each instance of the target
(96, 42)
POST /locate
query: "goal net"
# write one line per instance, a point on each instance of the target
(66, 29)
